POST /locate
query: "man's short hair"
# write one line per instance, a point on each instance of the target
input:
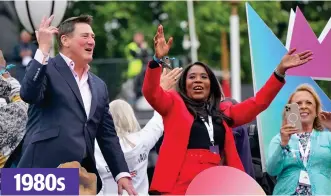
(68, 26)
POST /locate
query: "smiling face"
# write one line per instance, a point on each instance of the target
(197, 83)
(76, 39)
(80, 42)
(307, 106)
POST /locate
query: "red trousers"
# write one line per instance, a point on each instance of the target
(196, 161)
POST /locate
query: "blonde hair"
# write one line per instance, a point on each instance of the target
(124, 118)
(306, 87)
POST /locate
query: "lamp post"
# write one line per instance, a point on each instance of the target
(30, 13)
(235, 52)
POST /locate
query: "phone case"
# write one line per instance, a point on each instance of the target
(292, 115)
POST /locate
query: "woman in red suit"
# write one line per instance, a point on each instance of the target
(197, 125)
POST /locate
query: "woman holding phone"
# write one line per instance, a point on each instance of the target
(301, 159)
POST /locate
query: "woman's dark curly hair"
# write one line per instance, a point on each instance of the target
(203, 108)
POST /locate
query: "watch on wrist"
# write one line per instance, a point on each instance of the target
(156, 59)
(278, 74)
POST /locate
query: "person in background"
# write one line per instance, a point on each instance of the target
(136, 143)
(13, 116)
(301, 159)
(137, 54)
(23, 54)
(25, 50)
(197, 127)
(240, 134)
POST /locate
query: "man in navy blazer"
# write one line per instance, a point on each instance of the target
(69, 105)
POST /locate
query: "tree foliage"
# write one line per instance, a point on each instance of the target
(116, 22)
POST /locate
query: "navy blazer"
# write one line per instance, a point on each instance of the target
(58, 129)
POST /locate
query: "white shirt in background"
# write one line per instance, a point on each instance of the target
(136, 157)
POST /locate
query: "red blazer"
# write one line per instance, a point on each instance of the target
(178, 121)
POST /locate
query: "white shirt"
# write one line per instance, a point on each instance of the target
(83, 85)
(84, 88)
(135, 156)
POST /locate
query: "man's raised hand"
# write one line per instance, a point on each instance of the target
(45, 34)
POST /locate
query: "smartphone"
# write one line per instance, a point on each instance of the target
(292, 115)
(170, 62)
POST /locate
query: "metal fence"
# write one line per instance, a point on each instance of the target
(109, 70)
(112, 72)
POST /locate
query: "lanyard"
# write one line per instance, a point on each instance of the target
(304, 154)
(210, 128)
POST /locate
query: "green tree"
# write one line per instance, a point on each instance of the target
(76, 8)
(121, 21)
(213, 17)
(116, 22)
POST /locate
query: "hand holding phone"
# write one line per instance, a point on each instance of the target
(168, 62)
(291, 123)
(292, 115)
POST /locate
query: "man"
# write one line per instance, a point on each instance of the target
(69, 105)
(25, 50)
(138, 54)
(23, 54)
